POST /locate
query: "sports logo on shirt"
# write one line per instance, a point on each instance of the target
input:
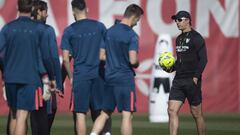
(182, 48)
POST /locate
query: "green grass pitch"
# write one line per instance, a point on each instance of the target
(216, 124)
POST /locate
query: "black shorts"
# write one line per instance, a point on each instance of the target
(186, 88)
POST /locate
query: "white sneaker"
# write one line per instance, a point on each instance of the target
(108, 133)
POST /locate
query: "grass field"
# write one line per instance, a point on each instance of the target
(217, 124)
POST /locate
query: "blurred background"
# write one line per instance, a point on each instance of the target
(217, 21)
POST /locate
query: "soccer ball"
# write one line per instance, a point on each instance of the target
(166, 60)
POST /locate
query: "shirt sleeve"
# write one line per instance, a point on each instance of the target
(2, 47)
(202, 55)
(103, 32)
(65, 43)
(133, 43)
(42, 69)
(46, 55)
(2, 39)
(55, 55)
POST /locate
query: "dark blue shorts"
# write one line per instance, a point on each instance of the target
(87, 94)
(124, 97)
(24, 96)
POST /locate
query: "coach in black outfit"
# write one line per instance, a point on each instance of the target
(191, 61)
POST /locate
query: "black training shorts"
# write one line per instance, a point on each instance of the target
(185, 88)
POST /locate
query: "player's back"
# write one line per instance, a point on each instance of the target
(118, 42)
(85, 37)
(21, 55)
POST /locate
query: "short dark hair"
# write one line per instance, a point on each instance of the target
(25, 6)
(38, 5)
(133, 10)
(78, 4)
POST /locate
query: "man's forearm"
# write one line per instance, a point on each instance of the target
(67, 67)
